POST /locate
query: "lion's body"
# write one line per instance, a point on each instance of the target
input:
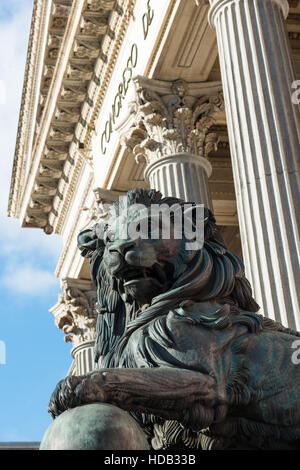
(202, 319)
(254, 374)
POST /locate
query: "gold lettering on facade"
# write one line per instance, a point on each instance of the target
(119, 97)
(147, 19)
(126, 79)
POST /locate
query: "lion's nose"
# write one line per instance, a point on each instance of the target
(122, 247)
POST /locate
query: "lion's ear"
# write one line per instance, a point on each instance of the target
(211, 232)
(88, 241)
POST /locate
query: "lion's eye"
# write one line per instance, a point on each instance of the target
(109, 237)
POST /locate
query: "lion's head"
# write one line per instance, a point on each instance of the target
(143, 267)
(142, 253)
(145, 271)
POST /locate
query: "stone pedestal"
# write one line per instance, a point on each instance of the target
(264, 132)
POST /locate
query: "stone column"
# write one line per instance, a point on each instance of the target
(170, 130)
(183, 175)
(83, 355)
(264, 133)
(75, 315)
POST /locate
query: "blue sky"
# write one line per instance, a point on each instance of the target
(36, 355)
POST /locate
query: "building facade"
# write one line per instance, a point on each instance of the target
(198, 99)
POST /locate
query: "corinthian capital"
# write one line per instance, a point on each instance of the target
(75, 312)
(173, 117)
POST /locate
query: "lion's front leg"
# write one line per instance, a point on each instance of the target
(175, 394)
(71, 392)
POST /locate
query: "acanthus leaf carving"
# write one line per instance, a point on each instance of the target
(170, 118)
(75, 312)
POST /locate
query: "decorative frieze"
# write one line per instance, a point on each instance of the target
(100, 6)
(86, 49)
(56, 152)
(79, 72)
(39, 220)
(67, 114)
(73, 94)
(47, 78)
(87, 154)
(49, 171)
(59, 135)
(40, 203)
(94, 28)
(58, 24)
(45, 188)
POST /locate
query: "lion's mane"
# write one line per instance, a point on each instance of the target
(214, 273)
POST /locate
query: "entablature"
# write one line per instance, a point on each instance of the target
(80, 35)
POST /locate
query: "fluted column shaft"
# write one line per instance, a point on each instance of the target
(183, 175)
(83, 355)
(264, 132)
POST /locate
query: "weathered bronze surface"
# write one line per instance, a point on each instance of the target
(181, 346)
(99, 426)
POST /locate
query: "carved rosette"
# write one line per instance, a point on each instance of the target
(172, 118)
(75, 312)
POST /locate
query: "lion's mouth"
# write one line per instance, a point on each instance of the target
(131, 275)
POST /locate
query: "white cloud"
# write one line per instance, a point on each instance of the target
(3, 92)
(18, 241)
(14, 35)
(28, 280)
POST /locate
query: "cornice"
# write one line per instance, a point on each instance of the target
(85, 57)
(66, 81)
(41, 186)
(34, 57)
(104, 66)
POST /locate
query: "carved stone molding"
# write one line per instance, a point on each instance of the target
(101, 23)
(99, 209)
(85, 32)
(75, 312)
(168, 118)
(34, 57)
(106, 197)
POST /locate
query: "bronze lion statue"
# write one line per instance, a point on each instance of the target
(180, 344)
